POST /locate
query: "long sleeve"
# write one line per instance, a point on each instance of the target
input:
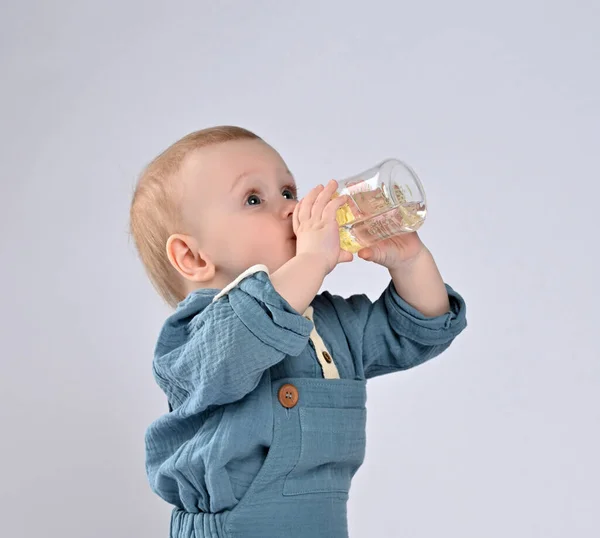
(212, 353)
(391, 335)
(230, 344)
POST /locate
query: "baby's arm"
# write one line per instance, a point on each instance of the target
(420, 284)
(299, 280)
(248, 329)
(397, 336)
(397, 332)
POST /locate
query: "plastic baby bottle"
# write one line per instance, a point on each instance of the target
(383, 201)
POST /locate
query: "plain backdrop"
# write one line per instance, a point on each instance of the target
(495, 105)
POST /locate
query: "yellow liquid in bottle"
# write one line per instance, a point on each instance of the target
(344, 216)
(383, 218)
(348, 242)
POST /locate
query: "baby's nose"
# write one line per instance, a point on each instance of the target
(288, 209)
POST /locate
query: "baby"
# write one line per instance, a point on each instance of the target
(265, 377)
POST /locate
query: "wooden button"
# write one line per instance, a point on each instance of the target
(288, 395)
(327, 356)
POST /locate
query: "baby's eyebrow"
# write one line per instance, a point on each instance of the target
(245, 175)
(239, 180)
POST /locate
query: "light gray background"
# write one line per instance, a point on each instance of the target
(497, 108)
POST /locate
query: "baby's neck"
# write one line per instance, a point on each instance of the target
(218, 283)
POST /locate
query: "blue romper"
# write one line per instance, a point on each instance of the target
(267, 421)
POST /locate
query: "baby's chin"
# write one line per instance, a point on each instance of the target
(286, 257)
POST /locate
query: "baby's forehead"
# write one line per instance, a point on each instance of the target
(210, 174)
(216, 168)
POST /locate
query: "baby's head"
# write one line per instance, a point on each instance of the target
(210, 206)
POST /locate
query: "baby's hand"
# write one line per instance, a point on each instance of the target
(317, 231)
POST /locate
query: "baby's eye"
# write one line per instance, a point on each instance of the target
(292, 193)
(253, 197)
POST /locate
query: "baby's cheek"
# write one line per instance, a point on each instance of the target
(250, 241)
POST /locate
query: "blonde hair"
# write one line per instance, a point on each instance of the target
(155, 207)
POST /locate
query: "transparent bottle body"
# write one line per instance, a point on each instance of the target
(384, 201)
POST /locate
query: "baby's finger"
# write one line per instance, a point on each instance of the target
(307, 203)
(345, 256)
(330, 210)
(323, 198)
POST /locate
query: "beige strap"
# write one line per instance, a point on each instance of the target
(330, 370)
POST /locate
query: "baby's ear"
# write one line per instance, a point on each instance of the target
(185, 256)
